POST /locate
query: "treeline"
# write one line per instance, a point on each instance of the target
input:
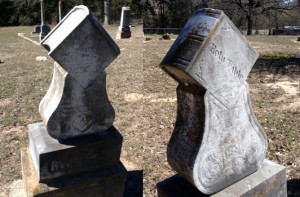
(246, 14)
(27, 12)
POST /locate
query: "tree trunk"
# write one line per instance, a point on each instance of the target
(276, 20)
(106, 12)
(42, 13)
(59, 10)
(162, 13)
(204, 4)
(250, 24)
(250, 17)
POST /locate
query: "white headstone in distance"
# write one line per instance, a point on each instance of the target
(124, 29)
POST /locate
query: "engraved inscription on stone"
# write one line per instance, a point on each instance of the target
(217, 139)
(55, 166)
(76, 103)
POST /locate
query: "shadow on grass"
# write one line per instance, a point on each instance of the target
(134, 184)
(278, 66)
(177, 186)
(293, 188)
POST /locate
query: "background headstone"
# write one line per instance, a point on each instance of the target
(124, 29)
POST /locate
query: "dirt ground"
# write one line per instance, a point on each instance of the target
(144, 99)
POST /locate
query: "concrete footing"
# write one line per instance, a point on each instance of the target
(86, 166)
(123, 34)
(268, 181)
(108, 181)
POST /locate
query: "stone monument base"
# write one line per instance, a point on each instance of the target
(54, 159)
(109, 181)
(85, 166)
(268, 181)
(37, 30)
(123, 34)
(44, 30)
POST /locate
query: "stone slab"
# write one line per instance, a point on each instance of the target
(44, 30)
(123, 34)
(124, 28)
(268, 181)
(37, 30)
(109, 181)
(125, 17)
(54, 158)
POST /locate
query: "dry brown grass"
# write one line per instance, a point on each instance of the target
(144, 99)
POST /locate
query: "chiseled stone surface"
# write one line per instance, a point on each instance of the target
(124, 29)
(53, 159)
(268, 181)
(217, 139)
(76, 103)
(108, 181)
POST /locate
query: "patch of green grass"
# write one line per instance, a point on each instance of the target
(7, 89)
(281, 56)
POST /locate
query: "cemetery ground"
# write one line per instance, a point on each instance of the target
(144, 99)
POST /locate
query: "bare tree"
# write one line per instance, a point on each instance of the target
(254, 8)
(59, 10)
(107, 12)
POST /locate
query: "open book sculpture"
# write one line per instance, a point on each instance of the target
(76, 103)
(217, 139)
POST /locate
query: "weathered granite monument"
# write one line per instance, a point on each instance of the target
(217, 140)
(76, 150)
(124, 29)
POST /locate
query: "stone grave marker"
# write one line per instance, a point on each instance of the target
(76, 150)
(217, 140)
(124, 29)
(37, 30)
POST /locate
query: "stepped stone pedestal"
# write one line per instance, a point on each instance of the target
(268, 181)
(85, 166)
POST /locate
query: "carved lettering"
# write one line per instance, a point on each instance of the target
(229, 63)
(217, 53)
(55, 166)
